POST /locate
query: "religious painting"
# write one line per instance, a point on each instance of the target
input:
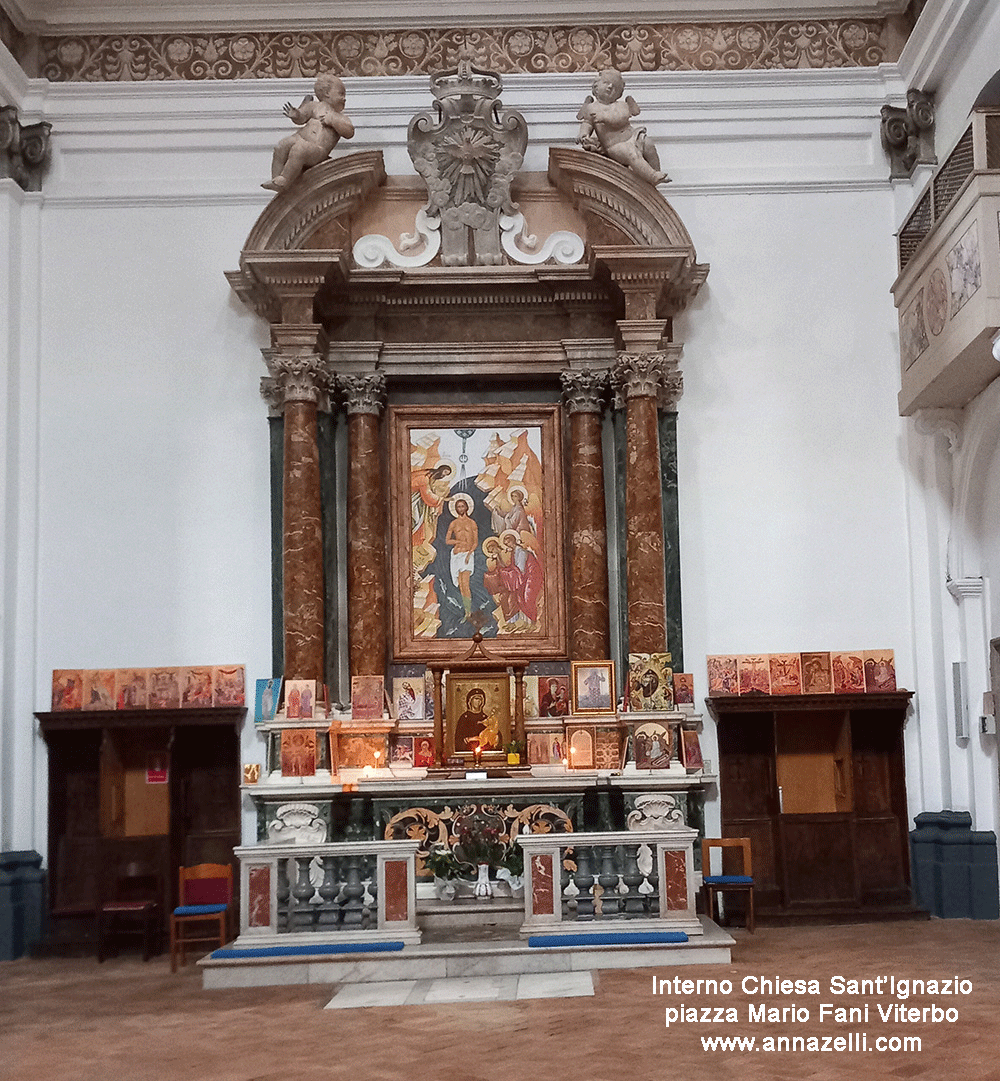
(553, 696)
(581, 742)
(99, 689)
(298, 752)
(530, 697)
(476, 502)
(357, 752)
(848, 673)
(880, 670)
(817, 675)
(196, 688)
(251, 772)
(266, 700)
(164, 688)
(229, 685)
(691, 755)
(652, 746)
(546, 748)
(67, 689)
(428, 695)
(300, 699)
(684, 688)
(755, 674)
(408, 698)
(367, 698)
(423, 752)
(650, 681)
(478, 713)
(723, 675)
(786, 673)
(401, 751)
(593, 686)
(131, 688)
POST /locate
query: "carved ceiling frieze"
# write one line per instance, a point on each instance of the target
(730, 46)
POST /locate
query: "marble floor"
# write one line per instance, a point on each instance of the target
(75, 1020)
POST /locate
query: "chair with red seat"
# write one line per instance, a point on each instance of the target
(133, 908)
(206, 895)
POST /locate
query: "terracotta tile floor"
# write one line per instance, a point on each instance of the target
(74, 1019)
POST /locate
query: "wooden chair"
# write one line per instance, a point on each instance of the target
(205, 895)
(716, 884)
(133, 908)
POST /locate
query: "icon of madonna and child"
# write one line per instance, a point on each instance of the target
(477, 528)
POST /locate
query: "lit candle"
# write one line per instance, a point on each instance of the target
(378, 755)
(477, 755)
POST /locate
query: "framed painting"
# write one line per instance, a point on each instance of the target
(477, 713)
(593, 686)
(477, 542)
(367, 698)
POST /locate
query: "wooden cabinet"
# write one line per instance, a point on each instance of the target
(157, 788)
(817, 783)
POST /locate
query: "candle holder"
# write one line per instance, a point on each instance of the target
(477, 756)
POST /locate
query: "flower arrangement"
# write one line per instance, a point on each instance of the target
(479, 840)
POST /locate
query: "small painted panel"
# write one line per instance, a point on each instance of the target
(397, 897)
(676, 875)
(259, 896)
(542, 891)
(912, 332)
(964, 269)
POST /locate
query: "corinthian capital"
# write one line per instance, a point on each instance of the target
(296, 377)
(584, 390)
(364, 393)
(638, 375)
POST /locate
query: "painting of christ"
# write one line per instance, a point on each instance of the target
(477, 541)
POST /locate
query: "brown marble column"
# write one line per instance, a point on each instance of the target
(583, 392)
(638, 378)
(298, 385)
(366, 594)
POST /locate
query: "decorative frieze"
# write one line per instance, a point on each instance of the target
(24, 149)
(584, 391)
(736, 46)
(364, 393)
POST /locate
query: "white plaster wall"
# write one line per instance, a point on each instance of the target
(152, 538)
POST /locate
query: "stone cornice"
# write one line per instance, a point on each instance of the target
(245, 50)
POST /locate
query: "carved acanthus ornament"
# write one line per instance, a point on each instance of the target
(638, 375)
(584, 391)
(364, 393)
(24, 149)
(296, 377)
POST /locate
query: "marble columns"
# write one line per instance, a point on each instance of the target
(583, 392)
(638, 377)
(299, 384)
(366, 530)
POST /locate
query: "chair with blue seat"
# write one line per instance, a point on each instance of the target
(727, 883)
(205, 895)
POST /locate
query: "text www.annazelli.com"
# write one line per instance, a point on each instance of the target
(856, 1041)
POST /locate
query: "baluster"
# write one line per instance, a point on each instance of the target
(584, 881)
(608, 879)
(653, 899)
(354, 890)
(329, 912)
(564, 878)
(302, 912)
(283, 891)
(371, 869)
(632, 902)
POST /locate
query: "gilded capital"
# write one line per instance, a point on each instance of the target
(584, 390)
(364, 393)
(638, 375)
(296, 377)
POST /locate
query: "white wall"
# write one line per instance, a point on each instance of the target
(152, 534)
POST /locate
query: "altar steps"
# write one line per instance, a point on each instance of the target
(489, 947)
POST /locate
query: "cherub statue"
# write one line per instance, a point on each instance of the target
(606, 128)
(324, 124)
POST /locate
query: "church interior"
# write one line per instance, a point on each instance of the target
(461, 466)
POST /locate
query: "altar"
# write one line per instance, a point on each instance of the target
(473, 381)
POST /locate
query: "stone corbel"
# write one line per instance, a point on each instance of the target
(24, 149)
(908, 134)
(946, 422)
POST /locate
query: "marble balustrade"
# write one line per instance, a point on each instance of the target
(645, 877)
(317, 893)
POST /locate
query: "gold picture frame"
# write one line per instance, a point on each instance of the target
(476, 499)
(466, 720)
(593, 687)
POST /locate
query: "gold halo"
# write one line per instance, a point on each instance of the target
(490, 540)
(467, 499)
(509, 533)
(517, 488)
